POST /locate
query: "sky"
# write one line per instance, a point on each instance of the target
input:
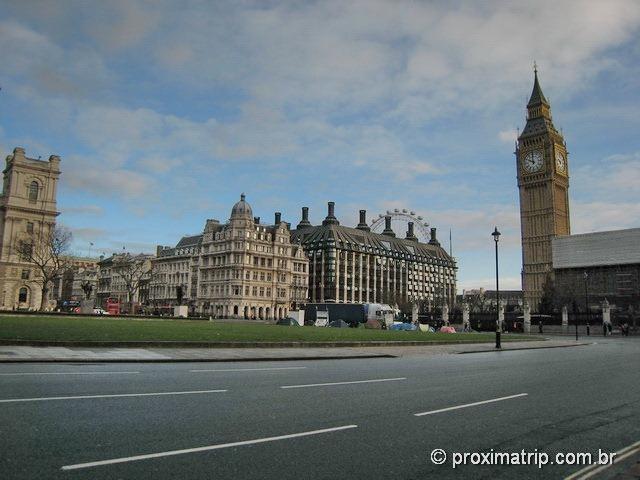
(164, 112)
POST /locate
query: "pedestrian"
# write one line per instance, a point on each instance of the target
(625, 326)
(610, 328)
(604, 329)
(588, 330)
(539, 326)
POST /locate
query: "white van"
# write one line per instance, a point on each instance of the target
(379, 313)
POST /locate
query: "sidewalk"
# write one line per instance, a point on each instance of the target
(10, 353)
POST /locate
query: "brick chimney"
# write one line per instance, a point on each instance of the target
(387, 227)
(363, 221)
(434, 240)
(331, 218)
(410, 235)
(304, 223)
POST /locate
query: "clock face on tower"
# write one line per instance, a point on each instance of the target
(532, 161)
(561, 162)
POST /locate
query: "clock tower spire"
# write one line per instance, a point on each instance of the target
(543, 182)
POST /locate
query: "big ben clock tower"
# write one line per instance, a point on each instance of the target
(543, 181)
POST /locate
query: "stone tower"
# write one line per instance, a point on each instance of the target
(27, 213)
(543, 181)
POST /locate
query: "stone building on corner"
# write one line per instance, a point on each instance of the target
(126, 278)
(174, 271)
(28, 212)
(239, 269)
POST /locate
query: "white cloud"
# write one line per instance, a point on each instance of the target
(120, 24)
(89, 175)
(92, 210)
(609, 197)
(603, 215)
(86, 234)
(508, 136)
(488, 283)
(36, 66)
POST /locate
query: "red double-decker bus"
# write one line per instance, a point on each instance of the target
(112, 306)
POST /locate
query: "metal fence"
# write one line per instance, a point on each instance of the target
(513, 321)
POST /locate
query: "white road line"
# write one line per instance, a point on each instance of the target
(345, 383)
(82, 397)
(470, 404)
(204, 449)
(591, 470)
(63, 373)
(248, 369)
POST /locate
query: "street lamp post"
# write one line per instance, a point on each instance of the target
(496, 237)
(575, 316)
(586, 302)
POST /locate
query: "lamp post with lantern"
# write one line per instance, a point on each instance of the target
(496, 238)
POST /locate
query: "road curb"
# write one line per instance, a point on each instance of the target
(527, 348)
(192, 360)
(180, 344)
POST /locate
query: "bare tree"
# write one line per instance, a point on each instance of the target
(478, 303)
(46, 250)
(134, 271)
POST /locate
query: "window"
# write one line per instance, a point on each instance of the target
(25, 274)
(33, 191)
(30, 227)
(22, 295)
(26, 250)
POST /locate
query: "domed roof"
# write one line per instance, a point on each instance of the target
(241, 210)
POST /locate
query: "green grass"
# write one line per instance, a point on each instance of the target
(114, 329)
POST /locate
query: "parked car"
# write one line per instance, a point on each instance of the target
(339, 324)
(292, 322)
(100, 311)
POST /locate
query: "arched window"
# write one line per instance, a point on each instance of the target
(33, 191)
(22, 295)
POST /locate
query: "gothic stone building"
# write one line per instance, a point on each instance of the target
(355, 265)
(27, 214)
(543, 180)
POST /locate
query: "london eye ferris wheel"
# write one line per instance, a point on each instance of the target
(400, 219)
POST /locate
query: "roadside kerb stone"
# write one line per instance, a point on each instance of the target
(190, 344)
(18, 354)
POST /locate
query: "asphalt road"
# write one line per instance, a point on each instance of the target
(91, 420)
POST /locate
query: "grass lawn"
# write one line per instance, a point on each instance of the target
(114, 329)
